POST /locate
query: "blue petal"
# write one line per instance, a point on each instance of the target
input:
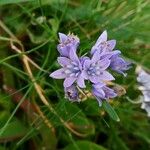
(95, 57)
(94, 79)
(63, 61)
(80, 81)
(106, 76)
(58, 74)
(69, 81)
(102, 38)
(73, 56)
(62, 37)
(104, 64)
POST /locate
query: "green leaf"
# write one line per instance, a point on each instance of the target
(3, 2)
(14, 130)
(81, 145)
(110, 111)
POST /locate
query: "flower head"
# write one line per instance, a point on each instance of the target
(101, 92)
(75, 70)
(71, 70)
(95, 69)
(67, 43)
(105, 50)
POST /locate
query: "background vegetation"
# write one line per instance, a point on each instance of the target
(33, 111)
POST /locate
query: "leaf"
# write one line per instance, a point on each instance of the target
(81, 145)
(14, 130)
(3, 2)
(110, 111)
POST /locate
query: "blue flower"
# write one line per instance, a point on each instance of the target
(118, 64)
(75, 70)
(102, 92)
(105, 50)
(95, 69)
(71, 70)
(67, 43)
(72, 93)
(102, 45)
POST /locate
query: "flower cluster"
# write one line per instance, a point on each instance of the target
(75, 70)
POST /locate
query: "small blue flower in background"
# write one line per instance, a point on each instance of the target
(94, 68)
(144, 80)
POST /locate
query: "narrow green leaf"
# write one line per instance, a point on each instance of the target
(13, 130)
(81, 145)
(3, 2)
(110, 111)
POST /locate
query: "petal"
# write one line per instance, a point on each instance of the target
(63, 61)
(84, 75)
(110, 54)
(109, 93)
(62, 37)
(80, 81)
(104, 64)
(95, 57)
(115, 53)
(94, 79)
(63, 50)
(87, 64)
(94, 49)
(98, 98)
(111, 44)
(105, 75)
(99, 93)
(98, 85)
(69, 81)
(102, 38)
(58, 74)
(73, 56)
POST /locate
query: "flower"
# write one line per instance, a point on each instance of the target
(95, 69)
(102, 45)
(146, 105)
(118, 64)
(105, 50)
(144, 79)
(71, 70)
(67, 43)
(75, 70)
(72, 93)
(101, 92)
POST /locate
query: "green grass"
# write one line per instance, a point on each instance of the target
(36, 24)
